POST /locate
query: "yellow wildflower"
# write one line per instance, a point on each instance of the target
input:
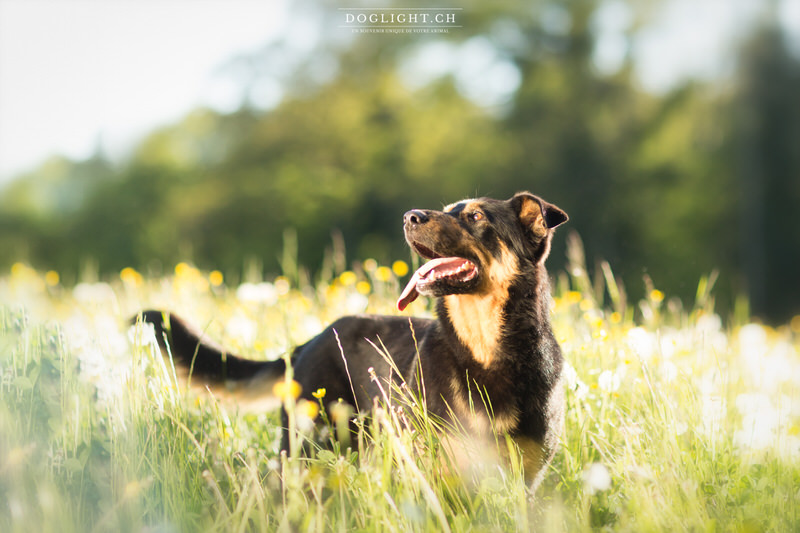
(383, 273)
(216, 278)
(573, 297)
(400, 268)
(18, 270)
(309, 409)
(282, 285)
(370, 265)
(363, 287)
(656, 295)
(182, 270)
(348, 278)
(51, 278)
(284, 390)
(129, 276)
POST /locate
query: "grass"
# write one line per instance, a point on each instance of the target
(675, 422)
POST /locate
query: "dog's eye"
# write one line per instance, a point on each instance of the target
(476, 216)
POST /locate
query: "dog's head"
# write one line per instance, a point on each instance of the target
(473, 245)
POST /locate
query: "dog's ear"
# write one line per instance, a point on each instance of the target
(536, 214)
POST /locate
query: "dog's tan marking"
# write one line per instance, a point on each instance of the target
(475, 420)
(531, 215)
(476, 417)
(533, 455)
(478, 318)
(450, 207)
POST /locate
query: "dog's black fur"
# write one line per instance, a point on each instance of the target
(492, 338)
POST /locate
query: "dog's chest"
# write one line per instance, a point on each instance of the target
(478, 412)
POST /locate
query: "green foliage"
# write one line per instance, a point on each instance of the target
(701, 178)
(673, 422)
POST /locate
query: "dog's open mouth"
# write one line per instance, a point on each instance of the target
(448, 271)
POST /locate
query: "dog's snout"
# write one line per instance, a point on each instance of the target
(415, 217)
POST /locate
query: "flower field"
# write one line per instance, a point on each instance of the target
(677, 419)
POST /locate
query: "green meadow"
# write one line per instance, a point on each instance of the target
(678, 419)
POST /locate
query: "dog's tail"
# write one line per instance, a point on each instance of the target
(201, 357)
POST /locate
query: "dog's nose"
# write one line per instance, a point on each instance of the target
(415, 216)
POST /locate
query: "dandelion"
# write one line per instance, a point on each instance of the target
(263, 292)
(348, 278)
(370, 265)
(282, 285)
(356, 303)
(596, 322)
(400, 269)
(656, 296)
(130, 277)
(596, 479)
(285, 390)
(18, 270)
(669, 371)
(642, 342)
(615, 318)
(93, 292)
(383, 274)
(363, 287)
(132, 489)
(308, 409)
(215, 278)
(573, 297)
(311, 325)
(183, 270)
(760, 420)
(51, 278)
(609, 381)
(573, 382)
(241, 329)
(713, 409)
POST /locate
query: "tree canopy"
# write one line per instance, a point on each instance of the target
(705, 177)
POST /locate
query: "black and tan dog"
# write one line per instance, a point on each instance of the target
(492, 338)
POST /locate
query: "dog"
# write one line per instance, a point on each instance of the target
(491, 339)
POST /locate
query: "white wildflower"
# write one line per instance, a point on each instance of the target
(596, 478)
(760, 421)
(669, 371)
(356, 303)
(263, 293)
(609, 381)
(93, 293)
(241, 328)
(573, 382)
(642, 342)
(311, 326)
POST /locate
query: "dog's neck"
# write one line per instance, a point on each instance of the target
(479, 320)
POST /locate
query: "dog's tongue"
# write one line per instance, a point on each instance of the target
(410, 293)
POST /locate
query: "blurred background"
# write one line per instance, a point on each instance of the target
(140, 134)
